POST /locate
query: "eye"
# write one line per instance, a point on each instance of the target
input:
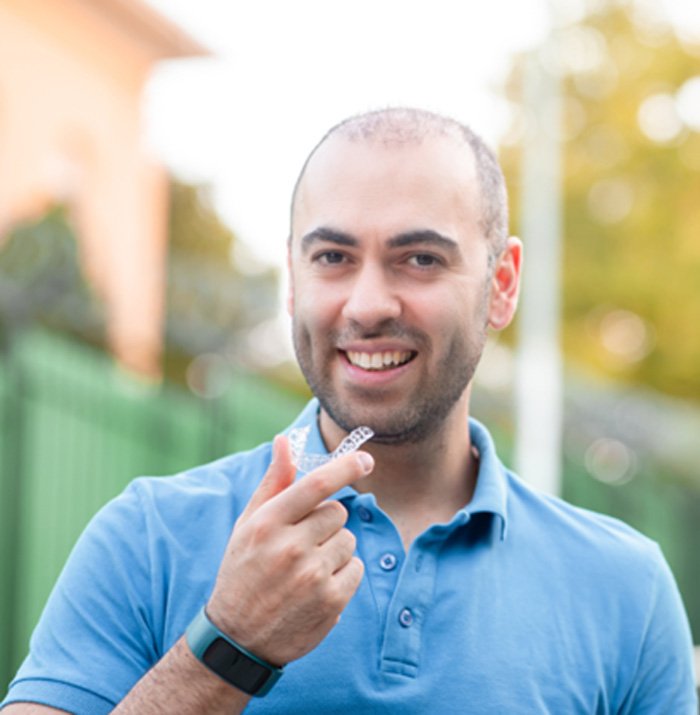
(329, 258)
(425, 260)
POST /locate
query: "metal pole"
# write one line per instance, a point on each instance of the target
(538, 392)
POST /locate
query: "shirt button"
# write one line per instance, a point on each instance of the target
(388, 562)
(364, 513)
(406, 617)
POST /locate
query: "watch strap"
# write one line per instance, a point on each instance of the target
(229, 660)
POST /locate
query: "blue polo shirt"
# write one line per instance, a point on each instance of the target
(520, 604)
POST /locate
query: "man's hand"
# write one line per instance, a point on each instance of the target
(289, 570)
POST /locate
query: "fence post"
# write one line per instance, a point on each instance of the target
(11, 483)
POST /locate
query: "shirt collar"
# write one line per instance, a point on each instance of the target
(490, 494)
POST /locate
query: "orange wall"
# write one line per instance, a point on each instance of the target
(70, 131)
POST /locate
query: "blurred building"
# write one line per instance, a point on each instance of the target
(71, 79)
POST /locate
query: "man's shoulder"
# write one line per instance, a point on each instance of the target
(216, 490)
(237, 472)
(581, 535)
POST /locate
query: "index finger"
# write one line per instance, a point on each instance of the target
(302, 497)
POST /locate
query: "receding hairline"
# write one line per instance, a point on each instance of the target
(396, 127)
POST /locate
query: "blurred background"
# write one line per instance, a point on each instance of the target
(147, 156)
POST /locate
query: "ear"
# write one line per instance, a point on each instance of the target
(290, 275)
(505, 285)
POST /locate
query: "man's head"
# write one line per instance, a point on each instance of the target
(403, 125)
(399, 261)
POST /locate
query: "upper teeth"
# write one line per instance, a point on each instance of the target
(377, 361)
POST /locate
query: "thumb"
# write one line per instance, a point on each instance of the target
(280, 474)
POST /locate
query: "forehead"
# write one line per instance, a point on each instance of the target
(369, 186)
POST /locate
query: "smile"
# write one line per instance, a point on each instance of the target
(385, 360)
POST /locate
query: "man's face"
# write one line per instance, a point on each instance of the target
(389, 291)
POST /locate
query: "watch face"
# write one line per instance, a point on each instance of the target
(244, 673)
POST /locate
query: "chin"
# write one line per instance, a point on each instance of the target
(387, 429)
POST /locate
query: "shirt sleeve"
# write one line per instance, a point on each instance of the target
(94, 639)
(665, 678)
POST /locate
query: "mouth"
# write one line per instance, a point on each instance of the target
(381, 360)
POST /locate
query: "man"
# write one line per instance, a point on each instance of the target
(417, 575)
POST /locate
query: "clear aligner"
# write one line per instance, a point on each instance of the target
(353, 441)
(308, 462)
(297, 443)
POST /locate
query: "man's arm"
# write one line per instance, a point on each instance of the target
(287, 574)
(179, 683)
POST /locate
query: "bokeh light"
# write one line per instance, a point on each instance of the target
(688, 103)
(610, 461)
(610, 200)
(625, 335)
(209, 375)
(658, 118)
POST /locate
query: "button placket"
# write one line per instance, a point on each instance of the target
(379, 546)
(401, 646)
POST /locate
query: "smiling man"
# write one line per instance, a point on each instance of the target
(418, 575)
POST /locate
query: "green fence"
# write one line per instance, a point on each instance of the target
(74, 431)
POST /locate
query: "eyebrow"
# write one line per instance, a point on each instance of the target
(327, 235)
(426, 237)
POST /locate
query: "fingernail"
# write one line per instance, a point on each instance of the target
(366, 461)
(276, 448)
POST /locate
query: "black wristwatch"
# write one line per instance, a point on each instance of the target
(230, 661)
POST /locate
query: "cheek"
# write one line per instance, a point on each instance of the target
(446, 309)
(315, 311)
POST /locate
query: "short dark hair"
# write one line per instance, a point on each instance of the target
(398, 125)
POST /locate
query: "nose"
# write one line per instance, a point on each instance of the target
(372, 299)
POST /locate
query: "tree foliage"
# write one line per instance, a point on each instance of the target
(212, 302)
(41, 281)
(631, 182)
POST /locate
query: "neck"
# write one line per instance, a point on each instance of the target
(422, 483)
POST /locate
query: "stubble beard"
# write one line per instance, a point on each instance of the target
(422, 413)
